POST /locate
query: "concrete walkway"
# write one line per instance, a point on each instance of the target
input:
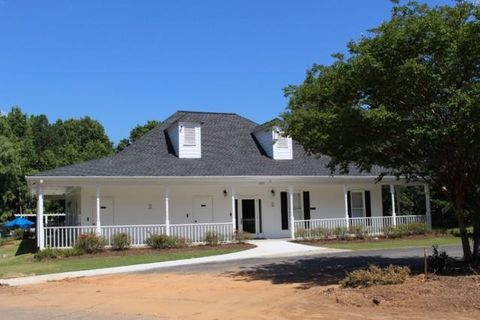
(264, 249)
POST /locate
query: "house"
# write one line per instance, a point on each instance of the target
(203, 171)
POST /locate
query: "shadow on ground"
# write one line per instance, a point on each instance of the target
(27, 246)
(318, 271)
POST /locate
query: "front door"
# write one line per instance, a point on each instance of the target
(249, 220)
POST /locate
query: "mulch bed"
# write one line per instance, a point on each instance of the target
(367, 239)
(147, 251)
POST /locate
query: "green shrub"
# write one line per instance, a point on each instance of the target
(374, 275)
(121, 241)
(50, 253)
(242, 237)
(357, 231)
(438, 261)
(162, 241)
(313, 233)
(340, 232)
(213, 238)
(403, 230)
(18, 234)
(90, 243)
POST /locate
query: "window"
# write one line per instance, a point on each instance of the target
(357, 204)
(189, 137)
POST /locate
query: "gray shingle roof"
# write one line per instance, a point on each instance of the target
(228, 149)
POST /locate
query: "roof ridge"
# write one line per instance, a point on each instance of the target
(207, 112)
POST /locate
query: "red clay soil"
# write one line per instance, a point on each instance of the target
(213, 296)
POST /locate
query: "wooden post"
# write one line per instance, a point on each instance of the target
(167, 209)
(394, 212)
(39, 227)
(292, 221)
(97, 211)
(234, 212)
(345, 198)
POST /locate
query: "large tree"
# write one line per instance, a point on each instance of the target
(136, 133)
(405, 97)
(29, 144)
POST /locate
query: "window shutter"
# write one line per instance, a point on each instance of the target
(306, 205)
(368, 204)
(284, 210)
(282, 142)
(189, 138)
(349, 204)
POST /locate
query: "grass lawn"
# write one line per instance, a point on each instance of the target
(16, 259)
(427, 241)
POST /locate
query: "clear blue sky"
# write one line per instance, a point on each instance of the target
(125, 62)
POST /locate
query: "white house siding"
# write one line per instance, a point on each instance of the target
(146, 205)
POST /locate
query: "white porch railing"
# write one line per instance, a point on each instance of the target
(195, 233)
(67, 236)
(325, 228)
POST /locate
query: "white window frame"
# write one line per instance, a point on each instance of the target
(362, 192)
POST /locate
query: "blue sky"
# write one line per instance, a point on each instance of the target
(125, 62)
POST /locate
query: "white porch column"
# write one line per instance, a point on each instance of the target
(167, 213)
(428, 210)
(97, 211)
(234, 212)
(394, 213)
(39, 227)
(290, 209)
(345, 199)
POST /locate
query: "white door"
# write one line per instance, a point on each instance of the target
(106, 211)
(202, 209)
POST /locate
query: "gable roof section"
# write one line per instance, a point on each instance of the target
(228, 149)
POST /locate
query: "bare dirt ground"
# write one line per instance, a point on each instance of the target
(238, 296)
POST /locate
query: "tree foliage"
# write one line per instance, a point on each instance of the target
(405, 97)
(29, 144)
(136, 133)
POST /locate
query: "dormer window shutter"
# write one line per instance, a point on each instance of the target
(189, 137)
(282, 142)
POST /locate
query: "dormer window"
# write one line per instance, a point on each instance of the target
(276, 145)
(189, 136)
(186, 139)
(282, 142)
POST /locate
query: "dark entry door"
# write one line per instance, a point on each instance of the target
(248, 215)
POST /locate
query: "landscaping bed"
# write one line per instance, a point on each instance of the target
(373, 243)
(17, 257)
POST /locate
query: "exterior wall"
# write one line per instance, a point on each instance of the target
(146, 205)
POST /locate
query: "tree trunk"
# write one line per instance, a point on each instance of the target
(476, 232)
(467, 253)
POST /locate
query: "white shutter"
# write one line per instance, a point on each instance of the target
(189, 137)
(282, 142)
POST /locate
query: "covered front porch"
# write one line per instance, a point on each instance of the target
(287, 207)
